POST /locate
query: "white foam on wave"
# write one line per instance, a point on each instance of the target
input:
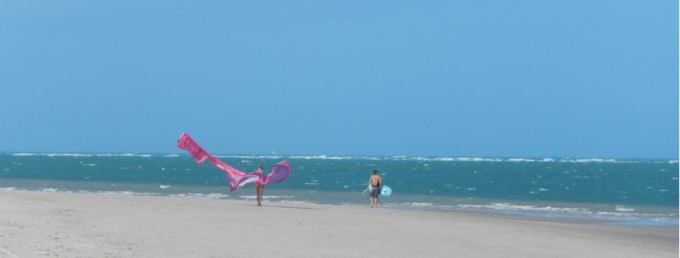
(202, 195)
(624, 209)
(447, 159)
(165, 186)
(621, 213)
(486, 159)
(516, 207)
(369, 158)
(67, 154)
(419, 204)
(673, 161)
(589, 160)
(88, 164)
(24, 154)
(143, 155)
(520, 160)
(322, 157)
(114, 154)
(95, 155)
(123, 193)
(249, 157)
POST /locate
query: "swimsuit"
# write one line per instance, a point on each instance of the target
(375, 192)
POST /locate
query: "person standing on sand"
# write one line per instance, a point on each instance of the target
(376, 182)
(259, 188)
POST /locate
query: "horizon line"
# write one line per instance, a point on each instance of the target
(486, 158)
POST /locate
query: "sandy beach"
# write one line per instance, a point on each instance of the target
(36, 224)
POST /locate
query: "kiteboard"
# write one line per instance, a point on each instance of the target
(385, 191)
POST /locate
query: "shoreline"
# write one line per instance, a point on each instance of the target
(650, 215)
(89, 224)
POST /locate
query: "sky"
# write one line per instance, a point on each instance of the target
(489, 78)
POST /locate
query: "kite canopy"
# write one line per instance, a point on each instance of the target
(236, 177)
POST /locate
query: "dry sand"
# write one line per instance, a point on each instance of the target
(38, 224)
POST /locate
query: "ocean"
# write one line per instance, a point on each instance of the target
(619, 191)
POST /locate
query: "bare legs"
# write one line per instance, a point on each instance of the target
(259, 189)
(374, 202)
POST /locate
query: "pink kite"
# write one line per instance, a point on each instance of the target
(236, 178)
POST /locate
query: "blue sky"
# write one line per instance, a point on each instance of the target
(446, 78)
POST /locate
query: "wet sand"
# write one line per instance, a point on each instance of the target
(98, 225)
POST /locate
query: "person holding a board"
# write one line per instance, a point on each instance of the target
(374, 185)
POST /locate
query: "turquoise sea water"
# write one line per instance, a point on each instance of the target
(623, 191)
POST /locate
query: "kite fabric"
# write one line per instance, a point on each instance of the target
(236, 178)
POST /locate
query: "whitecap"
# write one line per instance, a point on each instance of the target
(486, 159)
(624, 209)
(420, 204)
(444, 159)
(322, 157)
(207, 196)
(51, 155)
(23, 154)
(520, 160)
(249, 157)
(369, 158)
(594, 160)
